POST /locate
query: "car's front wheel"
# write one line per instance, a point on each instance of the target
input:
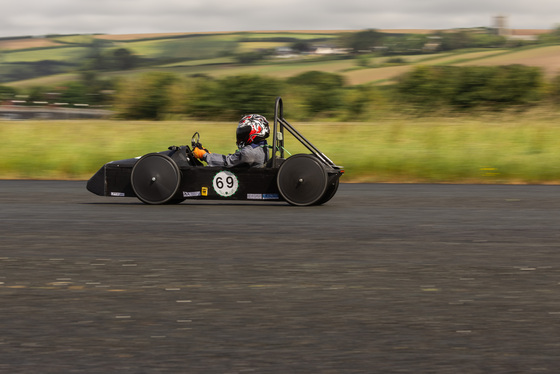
(155, 179)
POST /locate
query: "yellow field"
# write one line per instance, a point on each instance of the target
(376, 75)
(285, 70)
(547, 58)
(255, 46)
(16, 44)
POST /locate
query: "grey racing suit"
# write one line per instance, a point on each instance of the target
(251, 155)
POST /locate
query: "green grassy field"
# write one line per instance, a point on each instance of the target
(202, 47)
(203, 60)
(62, 53)
(493, 149)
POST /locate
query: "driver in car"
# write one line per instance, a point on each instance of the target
(251, 132)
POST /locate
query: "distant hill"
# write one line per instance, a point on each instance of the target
(50, 60)
(28, 42)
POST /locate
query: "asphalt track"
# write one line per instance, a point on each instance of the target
(382, 279)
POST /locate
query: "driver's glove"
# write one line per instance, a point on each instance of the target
(200, 152)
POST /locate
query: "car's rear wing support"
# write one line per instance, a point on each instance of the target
(278, 138)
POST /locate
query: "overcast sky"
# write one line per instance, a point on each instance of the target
(40, 17)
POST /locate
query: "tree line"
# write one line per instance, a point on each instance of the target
(162, 95)
(311, 95)
(489, 87)
(320, 95)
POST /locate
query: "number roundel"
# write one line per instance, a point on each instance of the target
(225, 183)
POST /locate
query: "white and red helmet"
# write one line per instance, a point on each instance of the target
(252, 128)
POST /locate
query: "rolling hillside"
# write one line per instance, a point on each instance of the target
(212, 54)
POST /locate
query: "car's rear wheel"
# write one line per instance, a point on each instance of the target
(329, 192)
(155, 179)
(302, 180)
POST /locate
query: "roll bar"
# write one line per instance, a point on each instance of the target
(278, 138)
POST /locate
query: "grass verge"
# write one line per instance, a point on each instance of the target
(514, 149)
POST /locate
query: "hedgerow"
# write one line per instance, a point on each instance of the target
(491, 87)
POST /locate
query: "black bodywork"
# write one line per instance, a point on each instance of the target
(175, 175)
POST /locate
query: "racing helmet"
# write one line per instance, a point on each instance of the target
(252, 128)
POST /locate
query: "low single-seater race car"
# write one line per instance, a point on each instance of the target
(175, 175)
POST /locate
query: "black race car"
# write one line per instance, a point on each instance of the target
(175, 175)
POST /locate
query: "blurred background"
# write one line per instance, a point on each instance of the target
(385, 102)
(325, 75)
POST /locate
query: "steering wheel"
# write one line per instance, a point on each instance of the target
(195, 140)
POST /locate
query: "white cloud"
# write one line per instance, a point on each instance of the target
(37, 17)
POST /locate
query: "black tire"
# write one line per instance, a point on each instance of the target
(330, 192)
(302, 180)
(155, 179)
(178, 200)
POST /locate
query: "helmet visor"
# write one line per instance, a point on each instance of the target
(242, 134)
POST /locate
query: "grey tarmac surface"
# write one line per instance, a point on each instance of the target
(384, 278)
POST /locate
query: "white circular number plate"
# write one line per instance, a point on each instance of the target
(225, 183)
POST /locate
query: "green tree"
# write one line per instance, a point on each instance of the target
(495, 87)
(422, 87)
(320, 92)
(145, 97)
(246, 94)
(94, 56)
(123, 59)
(74, 93)
(360, 101)
(455, 40)
(554, 90)
(301, 46)
(230, 98)
(487, 41)
(362, 41)
(37, 93)
(405, 44)
(7, 93)
(205, 100)
(513, 85)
